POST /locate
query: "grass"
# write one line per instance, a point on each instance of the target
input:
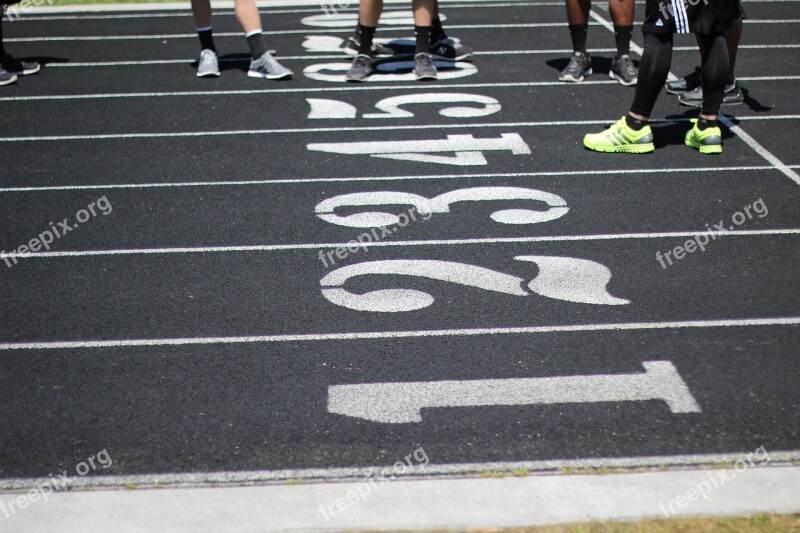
(761, 523)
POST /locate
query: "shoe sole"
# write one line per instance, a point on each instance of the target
(29, 71)
(208, 74)
(424, 77)
(353, 53)
(626, 149)
(707, 149)
(9, 81)
(356, 80)
(253, 74)
(621, 81)
(573, 79)
(700, 103)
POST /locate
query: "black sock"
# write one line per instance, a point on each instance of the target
(423, 37)
(256, 43)
(623, 36)
(2, 50)
(703, 123)
(364, 35)
(635, 123)
(437, 32)
(206, 39)
(578, 33)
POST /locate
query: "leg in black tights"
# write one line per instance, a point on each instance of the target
(714, 73)
(653, 72)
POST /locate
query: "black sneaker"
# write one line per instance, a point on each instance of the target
(687, 83)
(448, 49)
(6, 77)
(580, 65)
(623, 71)
(424, 68)
(360, 69)
(379, 51)
(21, 68)
(694, 98)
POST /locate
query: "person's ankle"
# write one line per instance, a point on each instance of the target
(635, 122)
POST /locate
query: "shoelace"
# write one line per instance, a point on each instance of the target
(627, 64)
(268, 61)
(362, 61)
(424, 60)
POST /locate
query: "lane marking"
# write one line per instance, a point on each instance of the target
(381, 244)
(343, 88)
(402, 402)
(379, 335)
(387, 29)
(153, 135)
(282, 181)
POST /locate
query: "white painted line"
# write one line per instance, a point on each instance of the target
(345, 88)
(249, 183)
(341, 129)
(392, 244)
(434, 504)
(379, 335)
(545, 467)
(402, 402)
(759, 149)
(268, 33)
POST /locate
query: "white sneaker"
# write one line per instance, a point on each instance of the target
(207, 66)
(268, 67)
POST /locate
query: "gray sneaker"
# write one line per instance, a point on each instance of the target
(6, 77)
(580, 66)
(360, 69)
(733, 96)
(207, 66)
(268, 67)
(424, 68)
(623, 71)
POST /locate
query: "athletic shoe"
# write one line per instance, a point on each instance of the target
(687, 83)
(623, 70)
(20, 68)
(448, 49)
(352, 46)
(360, 69)
(424, 68)
(580, 65)
(207, 66)
(733, 96)
(7, 78)
(708, 141)
(268, 67)
(621, 138)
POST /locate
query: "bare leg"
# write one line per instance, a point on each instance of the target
(369, 12)
(578, 11)
(423, 12)
(201, 9)
(247, 15)
(621, 12)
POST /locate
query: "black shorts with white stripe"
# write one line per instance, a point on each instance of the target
(692, 16)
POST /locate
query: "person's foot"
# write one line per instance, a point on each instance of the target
(360, 69)
(424, 69)
(448, 49)
(623, 70)
(6, 77)
(208, 66)
(580, 66)
(687, 83)
(268, 67)
(20, 68)
(733, 96)
(351, 47)
(620, 137)
(707, 141)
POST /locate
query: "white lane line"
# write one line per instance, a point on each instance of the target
(526, 25)
(373, 335)
(344, 88)
(748, 139)
(153, 135)
(504, 175)
(392, 244)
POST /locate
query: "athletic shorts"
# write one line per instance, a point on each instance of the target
(692, 16)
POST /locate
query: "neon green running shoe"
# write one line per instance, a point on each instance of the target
(621, 138)
(708, 141)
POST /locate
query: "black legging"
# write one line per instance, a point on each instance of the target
(654, 69)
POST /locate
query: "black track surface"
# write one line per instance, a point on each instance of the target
(204, 408)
